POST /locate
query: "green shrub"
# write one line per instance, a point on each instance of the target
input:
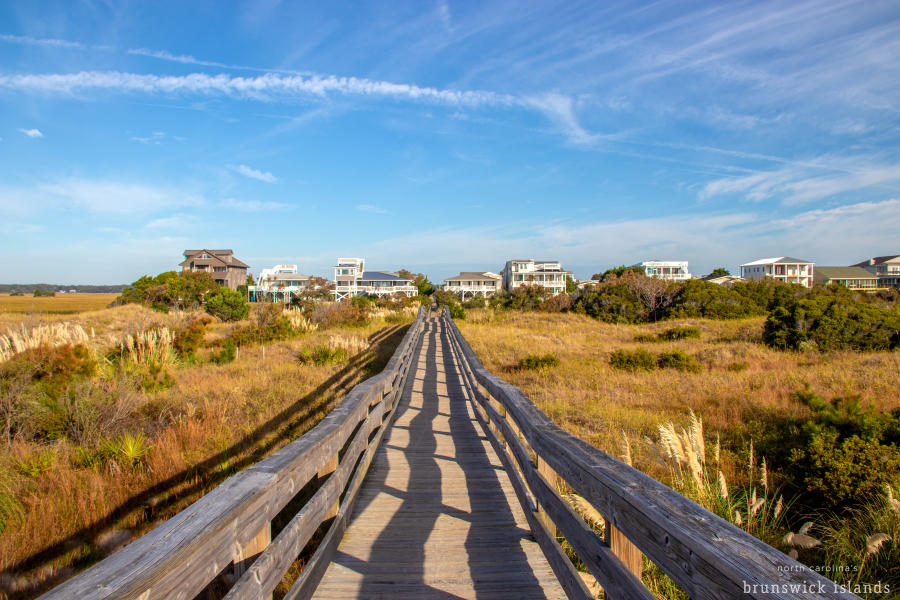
(679, 333)
(189, 338)
(323, 355)
(228, 305)
(227, 354)
(832, 318)
(37, 463)
(635, 360)
(844, 451)
(169, 290)
(645, 337)
(536, 361)
(457, 311)
(677, 359)
(737, 367)
(475, 302)
(133, 448)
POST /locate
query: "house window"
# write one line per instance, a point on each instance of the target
(219, 269)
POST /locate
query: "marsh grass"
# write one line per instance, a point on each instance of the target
(124, 439)
(744, 388)
(61, 304)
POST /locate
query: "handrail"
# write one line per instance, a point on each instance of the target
(230, 525)
(705, 555)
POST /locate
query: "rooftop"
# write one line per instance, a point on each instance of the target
(778, 260)
(465, 275)
(878, 260)
(381, 276)
(843, 273)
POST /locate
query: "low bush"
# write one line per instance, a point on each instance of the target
(323, 355)
(737, 367)
(338, 314)
(679, 333)
(841, 453)
(457, 311)
(832, 318)
(475, 302)
(189, 338)
(632, 360)
(169, 290)
(645, 337)
(227, 354)
(679, 360)
(536, 361)
(227, 304)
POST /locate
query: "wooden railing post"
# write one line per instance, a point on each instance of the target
(551, 477)
(329, 468)
(252, 549)
(622, 547)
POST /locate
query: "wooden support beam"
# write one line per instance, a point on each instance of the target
(329, 468)
(551, 477)
(622, 547)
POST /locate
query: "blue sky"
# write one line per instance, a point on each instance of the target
(440, 136)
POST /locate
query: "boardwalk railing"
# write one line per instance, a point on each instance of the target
(705, 555)
(229, 529)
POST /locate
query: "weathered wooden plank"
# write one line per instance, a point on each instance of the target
(565, 572)
(707, 556)
(438, 522)
(306, 584)
(268, 570)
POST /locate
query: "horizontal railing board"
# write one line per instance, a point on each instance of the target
(268, 569)
(605, 566)
(562, 567)
(179, 557)
(707, 556)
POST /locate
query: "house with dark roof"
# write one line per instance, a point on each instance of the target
(351, 280)
(782, 268)
(221, 264)
(469, 284)
(886, 268)
(855, 278)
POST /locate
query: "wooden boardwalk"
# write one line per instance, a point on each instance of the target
(436, 516)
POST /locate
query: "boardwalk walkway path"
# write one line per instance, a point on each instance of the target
(437, 516)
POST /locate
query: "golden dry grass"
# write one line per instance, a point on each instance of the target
(60, 304)
(596, 402)
(215, 420)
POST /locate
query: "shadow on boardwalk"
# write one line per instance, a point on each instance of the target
(433, 519)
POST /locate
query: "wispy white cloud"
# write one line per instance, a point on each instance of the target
(253, 205)
(32, 133)
(154, 138)
(840, 236)
(179, 58)
(803, 182)
(173, 222)
(264, 87)
(560, 110)
(371, 208)
(99, 196)
(31, 41)
(246, 171)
